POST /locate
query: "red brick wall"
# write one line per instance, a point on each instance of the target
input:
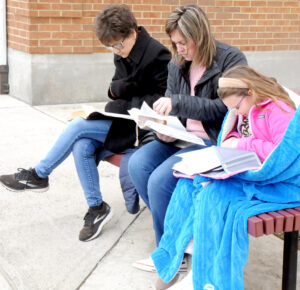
(67, 26)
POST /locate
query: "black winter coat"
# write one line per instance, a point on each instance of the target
(142, 76)
(205, 106)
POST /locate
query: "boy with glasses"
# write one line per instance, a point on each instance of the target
(140, 75)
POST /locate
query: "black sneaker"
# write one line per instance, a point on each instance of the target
(95, 219)
(25, 180)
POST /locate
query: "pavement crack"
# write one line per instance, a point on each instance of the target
(49, 115)
(110, 249)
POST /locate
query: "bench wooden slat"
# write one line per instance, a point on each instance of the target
(288, 221)
(255, 226)
(278, 221)
(296, 218)
(268, 223)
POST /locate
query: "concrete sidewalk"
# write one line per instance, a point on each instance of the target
(39, 246)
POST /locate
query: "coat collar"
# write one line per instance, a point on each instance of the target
(138, 49)
(265, 102)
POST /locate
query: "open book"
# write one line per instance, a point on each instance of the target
(146, 118)
(216, 162)
(167, 125)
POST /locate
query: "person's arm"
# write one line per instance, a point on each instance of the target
(186, 106)
(119, 80)
(123, 88)
(154, 76)
(278, 121)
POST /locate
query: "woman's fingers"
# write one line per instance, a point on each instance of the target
(163, 106)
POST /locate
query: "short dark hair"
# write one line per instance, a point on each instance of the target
(115, 22)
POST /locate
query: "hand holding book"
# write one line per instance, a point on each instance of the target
(163, 106)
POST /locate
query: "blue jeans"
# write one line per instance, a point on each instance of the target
(82, 137)
(150, 169)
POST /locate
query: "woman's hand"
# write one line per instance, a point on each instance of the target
(163, 106)
(231, 142)
(165, 138)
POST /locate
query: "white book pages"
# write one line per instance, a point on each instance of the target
(171, 126)
(146, 118)
(197, 161)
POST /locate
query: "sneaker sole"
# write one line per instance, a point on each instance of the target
(106, 220)
(147, 268)
(26, 189)
(144, 267)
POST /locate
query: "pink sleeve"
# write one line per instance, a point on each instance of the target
(261, 147)
(277, 121)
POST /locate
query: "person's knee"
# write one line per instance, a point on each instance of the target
(77, 121)
(82, 148)
(78, 148)
(76, 125)
(134, 164)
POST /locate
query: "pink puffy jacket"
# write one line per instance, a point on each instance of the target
(268, 126)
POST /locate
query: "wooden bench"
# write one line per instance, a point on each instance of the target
(283, 221)
(114, 159)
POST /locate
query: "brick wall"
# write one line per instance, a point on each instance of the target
(67, 26)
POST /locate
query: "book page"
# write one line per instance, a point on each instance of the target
(166, 125)
(197, 161)
(146, 113)
(86, 110)
(116, 115)
(236, 160)
(175, 133)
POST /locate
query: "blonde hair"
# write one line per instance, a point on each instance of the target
(263, 86)
(192, 23)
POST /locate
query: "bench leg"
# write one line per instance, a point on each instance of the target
(290, 252)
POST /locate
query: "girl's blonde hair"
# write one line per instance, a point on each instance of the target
(263, 86)
(192, 23)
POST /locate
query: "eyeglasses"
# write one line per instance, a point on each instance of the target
(119, 45)
(239, 103)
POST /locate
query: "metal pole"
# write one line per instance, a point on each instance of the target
(290, 253)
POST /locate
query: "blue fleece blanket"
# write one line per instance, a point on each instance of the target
(216, 216)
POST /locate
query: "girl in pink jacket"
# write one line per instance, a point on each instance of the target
(260, 111)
